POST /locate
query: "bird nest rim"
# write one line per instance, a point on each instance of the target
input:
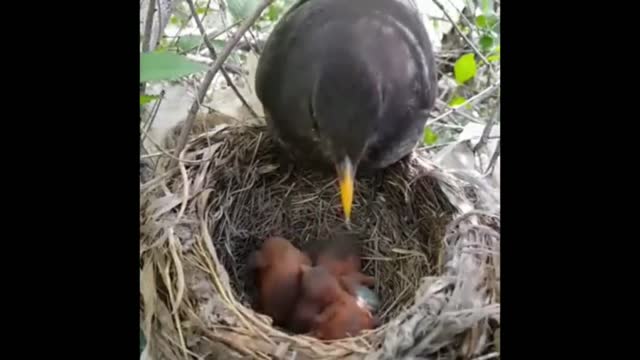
(177, 235)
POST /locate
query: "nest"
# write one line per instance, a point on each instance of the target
(436, 266)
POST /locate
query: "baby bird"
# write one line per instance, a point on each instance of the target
(341, 257)
(343, 318)
(319, 289)
(279, 265)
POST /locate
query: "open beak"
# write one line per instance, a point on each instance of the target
(345, 178)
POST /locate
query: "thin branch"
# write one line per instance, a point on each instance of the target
(206, 9)
(214, 35)
(212, 53)
(256, 44)
(160, 29)
(236, 91)
(429, 147)
(477, 97)
(494, 159)
(152, 116)
(462, 112)
(463, 17)
(206, 82)
(466, 39)
(230, 68)
(148, 26)
(146, 37)
(166, 153)
(487, 129)
(492, 355)
(178, 35)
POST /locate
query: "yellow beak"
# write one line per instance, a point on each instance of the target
(345, 178)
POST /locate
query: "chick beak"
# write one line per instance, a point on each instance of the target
(345, 178)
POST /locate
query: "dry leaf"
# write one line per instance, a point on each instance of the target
(163, 205)
(148, 290)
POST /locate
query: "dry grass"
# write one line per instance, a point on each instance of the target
(200, 223)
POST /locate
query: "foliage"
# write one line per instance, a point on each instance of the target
(187, 43)
(157, 66)
(465, 68)
(470, 72)
(242, 9)
(430, 137)
(467, 72)
(145, 99)
(457, 101)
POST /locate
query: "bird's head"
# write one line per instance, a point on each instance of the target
(344, 111)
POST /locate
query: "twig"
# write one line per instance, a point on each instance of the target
(148, 25)
(430, 147)
(256, 45)
(184, 26)
(166, 153)
(477, 97)
(206, 9)
(212, 53)
(178, 35)
(487, 130)
(492, 162)
(160, 29)
(176, 315)
(225, 30)
(214, 35)
(230, 68)
(146, 38)
(466, 39)
(152, 116)
(462, 16)
(461, 112)
(492, 355)
(206, 82)
(147, 125)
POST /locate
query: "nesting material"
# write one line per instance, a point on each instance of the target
(436, 268)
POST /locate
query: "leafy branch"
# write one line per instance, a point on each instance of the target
(206, 82)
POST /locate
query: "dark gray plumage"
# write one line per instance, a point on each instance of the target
(348, 82)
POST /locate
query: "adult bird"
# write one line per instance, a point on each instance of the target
(348, 83)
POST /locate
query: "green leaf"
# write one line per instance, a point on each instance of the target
(457, 101)
(486, 21)
(274, 12)
(430, 137)
(465, 68)
(241, 9)
(486, 42)
(156, 66)
(187, 43)
(481, 21)
(487, 6)
(145, 99)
